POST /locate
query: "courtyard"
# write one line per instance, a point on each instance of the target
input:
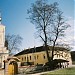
(66, 71)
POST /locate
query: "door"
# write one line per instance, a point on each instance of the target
(12, 68)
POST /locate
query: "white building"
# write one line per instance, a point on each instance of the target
(4, 53)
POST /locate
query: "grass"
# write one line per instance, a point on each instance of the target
(67, 71)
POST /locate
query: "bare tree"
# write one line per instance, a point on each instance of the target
(58, 28)
(13, 43)
(41, 14)
(64, 45)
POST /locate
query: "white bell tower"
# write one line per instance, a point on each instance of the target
(2, 33)
(4, 53)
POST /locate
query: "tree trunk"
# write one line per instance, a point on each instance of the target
(53, 52)
(53, 47)
(46, 48)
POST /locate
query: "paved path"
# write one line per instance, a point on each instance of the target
(35, 74)
(42, 72)
(2, 72)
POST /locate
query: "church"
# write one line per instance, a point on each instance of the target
(4, 53)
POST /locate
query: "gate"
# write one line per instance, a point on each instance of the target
(12, 68)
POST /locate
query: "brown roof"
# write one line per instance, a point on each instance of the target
(38, 49)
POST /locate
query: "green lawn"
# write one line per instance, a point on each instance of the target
(67, 71)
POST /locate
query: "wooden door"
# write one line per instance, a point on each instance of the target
(11, 69)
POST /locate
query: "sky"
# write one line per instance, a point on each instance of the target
(14, 17)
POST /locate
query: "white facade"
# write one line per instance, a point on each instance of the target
(4, 53)
(64, 55)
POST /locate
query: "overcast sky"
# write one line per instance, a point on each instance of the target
(14, 14)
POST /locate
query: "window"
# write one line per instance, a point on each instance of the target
(44, 56)
(30, 57)
(22, 58)
(25, 58)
